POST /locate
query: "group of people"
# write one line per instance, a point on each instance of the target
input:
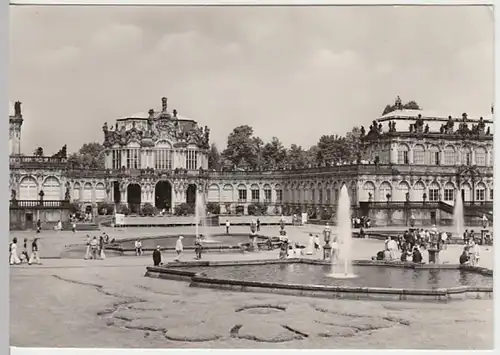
(95, 247)
(423, 238)
(470, 254)
(363, 222)
(29, 253)
(410, 251)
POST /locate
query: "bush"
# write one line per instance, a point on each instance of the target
(148, 209)
(184, 209)
(123, 209)
(213, 208)
(252, 209)
(75, 207)
(228, 207)
(104, 208)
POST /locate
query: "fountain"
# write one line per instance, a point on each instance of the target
(200, 218)
(458, 216)
(343, 268)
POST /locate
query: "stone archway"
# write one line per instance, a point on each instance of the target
(134, 197)
(163, 195)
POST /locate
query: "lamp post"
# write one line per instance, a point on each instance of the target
(327, 248)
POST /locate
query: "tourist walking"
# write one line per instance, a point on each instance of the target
(94, 248)
(138, 247)
(73, 227)
(227, 226)
(87, 247)
(179, 247)
(24, 254)
(38, 225)
(317, 246)
(35, 256)
(101, 248)
(258, 225)
(198, 247)
(14, 258)
(157, 256)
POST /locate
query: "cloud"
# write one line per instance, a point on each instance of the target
(60, 56)
(117, 36)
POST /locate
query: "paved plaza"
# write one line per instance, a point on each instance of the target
(109, 303)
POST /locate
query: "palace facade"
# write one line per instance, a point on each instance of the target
(161, 159)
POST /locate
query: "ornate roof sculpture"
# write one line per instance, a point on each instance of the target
(156, 126)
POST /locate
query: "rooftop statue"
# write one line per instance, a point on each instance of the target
(17, 109)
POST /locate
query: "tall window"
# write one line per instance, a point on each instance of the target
(403, 154)
(328, 195)
(313, 195)
(255, 194)
(480, 193)
(449, 156)
(434, 156)
(466, 156)
(133, 161)
(163, 159)
(279, 196)
(491, 194)
(434, 192)
(418, 155)
(449, 194)
(320, 196)
(117, 159)
(267, 195)
(191, 160)
(481, 156)
(242, 194)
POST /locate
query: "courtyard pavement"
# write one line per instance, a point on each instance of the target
(109, 303)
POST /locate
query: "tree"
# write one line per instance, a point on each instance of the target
(90, 155)
(38, 152)
(273, 153)
(243, 149)
(214, 158)
(296, 157)
(354, 145)
(332, 149)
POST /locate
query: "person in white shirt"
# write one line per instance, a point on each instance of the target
(14, 257)
(444, 238)
(227, 226)
(179, 247)
(138, 247)
(392, 246)
(474, 253)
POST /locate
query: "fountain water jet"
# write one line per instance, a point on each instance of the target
(343, 269)
(200, 219)
(458, 215)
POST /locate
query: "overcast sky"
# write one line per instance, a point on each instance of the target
(291, 72)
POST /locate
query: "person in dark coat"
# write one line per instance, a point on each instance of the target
(157, 256)
(417, 255)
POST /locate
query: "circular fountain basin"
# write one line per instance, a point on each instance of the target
(303, 277)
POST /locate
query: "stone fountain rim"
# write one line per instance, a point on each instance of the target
(198, 279)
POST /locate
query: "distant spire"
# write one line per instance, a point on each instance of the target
(492, 108)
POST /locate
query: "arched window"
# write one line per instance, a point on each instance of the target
(368, 191)
(227, 193)
(450, 156)
(385, 191)
(242, 193)
(76, 191)
(419, 154)
(279, 193)
(403, 191)
(434, 156)
(466, 156)
(87, 192)
(267, 193)
(51, 189)
(418, 191)
(100, 192)
(449, 192)
(255, 192)
(480, 156)
(434, 192)
(28, 189)
(213, 193)
(403, 154)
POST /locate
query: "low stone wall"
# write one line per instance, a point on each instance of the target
(174, 271)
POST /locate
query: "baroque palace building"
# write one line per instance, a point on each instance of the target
(161, 159)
